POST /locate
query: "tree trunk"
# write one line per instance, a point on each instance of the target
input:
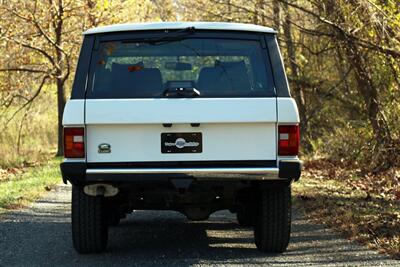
(276, 15)
(60, 105)
(255, 13)
(60, 78)
(261, 8)
(369, 93)
(229, 5)
(91, 13)
(367, 90)
(297, 91)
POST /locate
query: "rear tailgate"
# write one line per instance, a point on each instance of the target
(230, 128)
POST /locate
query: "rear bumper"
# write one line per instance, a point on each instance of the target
(79, 173)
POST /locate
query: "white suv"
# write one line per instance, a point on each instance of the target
(192, 117)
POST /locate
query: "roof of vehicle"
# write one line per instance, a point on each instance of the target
(223, 26)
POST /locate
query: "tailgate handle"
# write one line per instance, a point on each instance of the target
(195, 124)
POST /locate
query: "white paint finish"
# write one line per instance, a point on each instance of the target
(287, 110)
(74, 112)
(225, 26)
(142, 142)
(182, 110)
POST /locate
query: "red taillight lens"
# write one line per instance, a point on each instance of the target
(74, 144)
(289, 140)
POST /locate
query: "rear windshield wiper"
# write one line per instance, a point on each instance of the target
(170, 36)
(181, 92)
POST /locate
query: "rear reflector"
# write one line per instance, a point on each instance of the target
(74, 146)
(289, 140)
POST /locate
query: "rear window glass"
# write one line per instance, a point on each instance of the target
(211, 67)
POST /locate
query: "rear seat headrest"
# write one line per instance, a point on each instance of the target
(131, 82)
(224, 76)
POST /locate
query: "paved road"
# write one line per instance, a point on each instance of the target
(40, 236)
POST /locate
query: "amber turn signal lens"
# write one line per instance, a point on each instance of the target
(74, 146)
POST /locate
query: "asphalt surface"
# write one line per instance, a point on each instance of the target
(40, 236)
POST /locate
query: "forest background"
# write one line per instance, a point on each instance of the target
(343, 63)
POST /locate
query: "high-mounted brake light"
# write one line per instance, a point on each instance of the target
(74, 144)
(289, 140)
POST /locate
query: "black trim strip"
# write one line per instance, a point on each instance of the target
(82, 69)
(184, 164)
(140, 35)
(278, 70)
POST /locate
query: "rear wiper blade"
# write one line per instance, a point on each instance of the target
(171, 36)
(181, 92)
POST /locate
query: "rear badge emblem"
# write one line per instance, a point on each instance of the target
(104, 148)
(181, 143)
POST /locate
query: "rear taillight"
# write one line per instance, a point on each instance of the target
(289, 140)
(74, 144)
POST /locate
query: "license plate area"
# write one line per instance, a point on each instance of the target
(181, 143)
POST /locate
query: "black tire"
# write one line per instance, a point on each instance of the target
(89, 222)
(245, 216)
(273, 221)
(114, 220)
(113, 212)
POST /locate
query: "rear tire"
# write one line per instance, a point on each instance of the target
(89, 222)
(113, 212)
(245, 216)
(113, 220)
(273, 222)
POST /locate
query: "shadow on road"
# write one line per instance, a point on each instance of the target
(40, 236)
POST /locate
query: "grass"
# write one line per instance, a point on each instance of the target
(31, 137)
(27, 145)
(361, 213)
(29, 185)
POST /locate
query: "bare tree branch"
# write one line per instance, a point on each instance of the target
(23, 70)
(37, 49)
(362, 42)
(47, 37)
(30, 100)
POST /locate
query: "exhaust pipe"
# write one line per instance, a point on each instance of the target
(104, 190)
